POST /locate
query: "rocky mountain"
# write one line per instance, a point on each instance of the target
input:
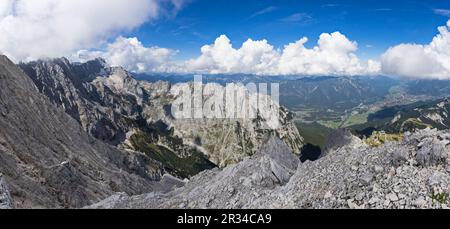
(297, 92)
(399, 119)
(47, 160)
(412, 173)
(336, 93)
(114, 107)
(437, 88)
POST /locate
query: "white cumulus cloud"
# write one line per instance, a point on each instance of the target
(52, 28)
(253, 57)
(333, 55)
(430, 61)
(131, 54)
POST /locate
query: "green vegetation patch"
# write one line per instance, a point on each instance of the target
(357, 119)
(412, 123)
(332, 124)
(184, 167)
(442, 198)
(380, 138)
(314, 133)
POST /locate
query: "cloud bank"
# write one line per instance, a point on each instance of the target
(430, 61)
(334, 54)
(53, 28)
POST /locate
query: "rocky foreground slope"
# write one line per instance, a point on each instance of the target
(6, 201)
(47, 160)
(413, 173)
(114, 107)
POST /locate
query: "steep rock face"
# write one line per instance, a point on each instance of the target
(114, 107)
(48, 160)
(229, 140)
(69, 86)
(406, 174)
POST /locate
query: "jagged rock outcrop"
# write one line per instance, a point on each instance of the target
(101, 112)
(354, 175)
(6, 201)
(114, 107)
(233, 187)
(49, 161)
(337, 139)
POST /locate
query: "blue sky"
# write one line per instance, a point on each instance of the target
(375, 25)
(395, 37)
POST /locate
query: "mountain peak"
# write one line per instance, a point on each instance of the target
(40, 142)
(97, 61)
(5, 60)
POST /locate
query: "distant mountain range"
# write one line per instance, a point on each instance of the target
(324, 103)
(324, 92)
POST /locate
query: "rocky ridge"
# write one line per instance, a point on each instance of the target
(135, 115)
(49, 161)
(402, 118)
(413, 173)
